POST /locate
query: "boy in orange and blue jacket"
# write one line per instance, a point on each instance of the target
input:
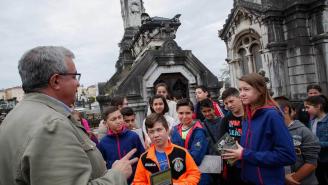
(163, 155)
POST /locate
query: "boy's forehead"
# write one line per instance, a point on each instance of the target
(114, 114)
(200, 89)
(157, 125)
(203, 108)
(231, 97)
(129, 116)
(184, 107)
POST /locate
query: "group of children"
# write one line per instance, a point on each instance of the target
(272, 147)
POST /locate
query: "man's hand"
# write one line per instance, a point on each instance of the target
(124, 165)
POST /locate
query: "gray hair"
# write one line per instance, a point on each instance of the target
(38, 65)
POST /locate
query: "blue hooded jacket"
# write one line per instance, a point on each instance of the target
(196, 141)
(196, 144)
(115, 146)
(268, 147)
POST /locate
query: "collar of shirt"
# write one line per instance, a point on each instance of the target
(67, 108)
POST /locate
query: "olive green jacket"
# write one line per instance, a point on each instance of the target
(41, 144)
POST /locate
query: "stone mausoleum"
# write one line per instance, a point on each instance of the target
(288, 39)
(150, 55)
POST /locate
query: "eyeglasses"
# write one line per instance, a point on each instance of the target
(77, 75)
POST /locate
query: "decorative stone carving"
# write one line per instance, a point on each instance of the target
(131, 12)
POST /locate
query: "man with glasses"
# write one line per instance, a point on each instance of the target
(41, 143)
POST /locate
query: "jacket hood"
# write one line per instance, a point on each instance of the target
(296, 124)
(250, 114)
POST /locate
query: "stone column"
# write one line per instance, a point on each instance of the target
(250, 62)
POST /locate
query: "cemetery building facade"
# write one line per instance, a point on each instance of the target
(287, 39)
(150, 55)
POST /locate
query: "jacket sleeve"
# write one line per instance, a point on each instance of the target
(140, 177)
(224, 127)
(217, 110)
(310, 146)
(192, 173)
(198, 146)
(102, 150)
(139, 146)
(57, 156)
(282, 152)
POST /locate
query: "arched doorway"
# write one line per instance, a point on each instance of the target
(177, 84)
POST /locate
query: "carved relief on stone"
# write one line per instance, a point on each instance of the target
(171, 45)
(154, 32)
(243, 15)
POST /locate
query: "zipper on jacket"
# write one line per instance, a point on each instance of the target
(118, 147)
(259, 175)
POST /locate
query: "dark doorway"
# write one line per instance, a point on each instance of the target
(177, 83)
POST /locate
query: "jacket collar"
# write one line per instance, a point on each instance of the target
(250, 113)
(111, 133)
(324, 119)
(195, 125)
(151, 151)
(51, 102)
(54, 104)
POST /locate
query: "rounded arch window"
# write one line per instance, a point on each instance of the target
(248, 49)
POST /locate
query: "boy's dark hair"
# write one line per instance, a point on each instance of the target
(206, 103)
(157, 96)
(116, 101)
(284, 102)
(313, 86)
(153, 118)
(127, 111)
(318, 100)
(204, 89)
(108, 110)
(231, 91)
(185, 102)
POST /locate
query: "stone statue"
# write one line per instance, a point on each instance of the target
(267, 81)
(131, 12)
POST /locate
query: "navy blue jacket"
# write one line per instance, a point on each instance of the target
(196, 141)
(115, 146)
(196, 144)
(268, 147)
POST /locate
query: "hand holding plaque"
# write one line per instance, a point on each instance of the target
(161, 178)
(224, 143)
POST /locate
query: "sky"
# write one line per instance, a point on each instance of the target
(92, 29)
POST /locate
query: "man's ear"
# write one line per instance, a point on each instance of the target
(54, 82)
